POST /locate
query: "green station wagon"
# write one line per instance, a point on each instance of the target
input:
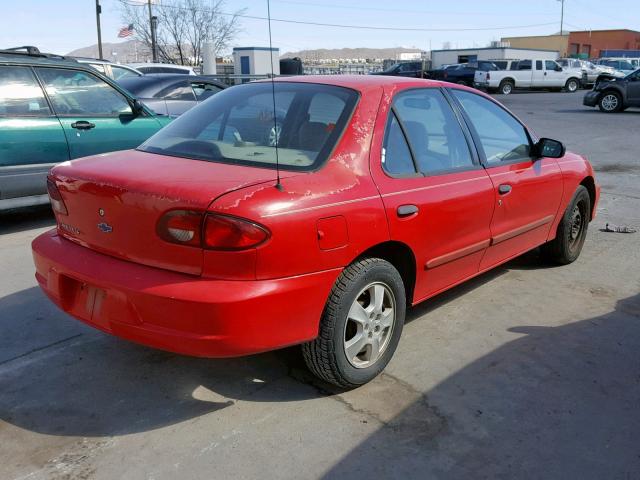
(54, 109)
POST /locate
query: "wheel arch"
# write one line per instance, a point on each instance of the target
(399, 255)
(590, 184)
(508, 79)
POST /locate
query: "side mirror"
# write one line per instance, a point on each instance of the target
(558, 68)
(549, 148)
(136, 107)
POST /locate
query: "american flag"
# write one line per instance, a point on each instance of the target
(126, 31)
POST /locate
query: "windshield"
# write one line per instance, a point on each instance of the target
(238, 126)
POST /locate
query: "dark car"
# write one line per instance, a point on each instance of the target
(615, 94)
(172, 94)
(405, 69)
(461, 73)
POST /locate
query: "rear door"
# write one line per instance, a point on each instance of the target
(95, 116)
(31, 137)
(524, 75)
(438, 199)
(527, 191)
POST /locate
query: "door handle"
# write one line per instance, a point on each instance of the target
(504, 189)
(406, 210)
(83, 125)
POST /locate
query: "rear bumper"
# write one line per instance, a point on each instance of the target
(591, 99)
(178, 312)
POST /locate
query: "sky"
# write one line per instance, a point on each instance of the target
(60, 26)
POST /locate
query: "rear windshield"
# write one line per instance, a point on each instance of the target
(241, 126)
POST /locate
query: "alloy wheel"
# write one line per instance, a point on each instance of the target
(609, 102)
(369, 325)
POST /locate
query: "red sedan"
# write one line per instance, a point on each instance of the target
(309, 211)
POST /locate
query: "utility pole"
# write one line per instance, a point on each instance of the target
(561, 16)
(98, 12)
(152, 27)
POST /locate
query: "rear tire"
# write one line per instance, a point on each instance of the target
(572, 85)
(610, 102)
(360, 326)
(506, 87)
(572, 230)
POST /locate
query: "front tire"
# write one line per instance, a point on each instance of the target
(360, 326)
(572, 230)
(610, 102)
(572, 85)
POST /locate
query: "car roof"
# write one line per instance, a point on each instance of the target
(9, 57)
(148, 85)
(360, 82)
(140, 65)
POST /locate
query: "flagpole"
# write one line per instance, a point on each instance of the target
(98, 12)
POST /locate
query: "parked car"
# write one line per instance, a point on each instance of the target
(114, 71)
(462, 73)
(624, 66)
(383, 192)
(529, 74)
(405, 69)
(151, 68)
(54, 109)
(172, 94)
(615, 94)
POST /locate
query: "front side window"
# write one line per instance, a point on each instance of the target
(551, 65)
(74, 92)
(182, 91)
(433, 131)
(501, 136)
(20, 94)
(203, 91)
(241, 126)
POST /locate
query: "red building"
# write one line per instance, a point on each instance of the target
(592, 42)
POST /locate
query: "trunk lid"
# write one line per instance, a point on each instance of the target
(115, 200)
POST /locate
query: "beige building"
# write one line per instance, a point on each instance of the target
(559, 43)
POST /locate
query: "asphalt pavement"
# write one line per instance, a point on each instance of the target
(528, 371)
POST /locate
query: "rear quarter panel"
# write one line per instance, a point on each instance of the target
(306, 236)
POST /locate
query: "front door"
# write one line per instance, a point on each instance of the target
(633, 89)
(527, 191)
(438, 198)
(95, 116)
(31, 137)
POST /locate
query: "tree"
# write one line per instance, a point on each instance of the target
(184, 26)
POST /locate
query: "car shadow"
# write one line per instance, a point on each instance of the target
(594, 110)
(556, 402)
(60, 377)
(21, 219)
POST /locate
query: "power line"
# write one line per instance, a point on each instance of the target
(361, 27)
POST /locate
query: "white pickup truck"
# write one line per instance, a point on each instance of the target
(528, 74)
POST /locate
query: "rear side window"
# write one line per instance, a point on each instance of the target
(524, 65)
(538, 64)
(241, 126)
(396, 156)
(20, 94)
(502, 137)
(433, 131)
(119, 72)
(74, 92)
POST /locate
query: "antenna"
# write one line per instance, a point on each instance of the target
(276, 133)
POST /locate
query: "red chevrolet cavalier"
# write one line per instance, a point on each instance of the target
(311, 210)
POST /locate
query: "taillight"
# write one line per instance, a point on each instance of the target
(223, 232)
(210, 231)
(181, 226)
(57, 203)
